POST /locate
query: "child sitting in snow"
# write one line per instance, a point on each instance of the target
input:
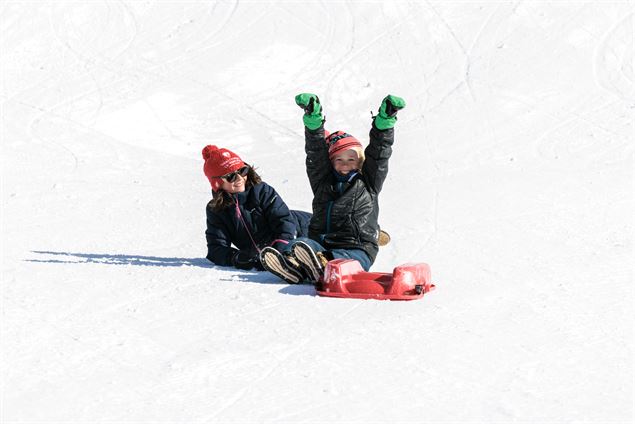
(244, 211)
(346, 181)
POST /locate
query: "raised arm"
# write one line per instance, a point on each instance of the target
(318, 165)
(379, 150)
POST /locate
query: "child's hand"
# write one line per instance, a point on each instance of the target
(391, 105)
(310, 103)
(307, 102)
(387, 116)
(245, 260)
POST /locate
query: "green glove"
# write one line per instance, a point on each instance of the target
(387, 116)
(310, 103)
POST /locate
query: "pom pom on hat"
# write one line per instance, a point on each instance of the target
(219, 162)
(340, 141)
(208, 150)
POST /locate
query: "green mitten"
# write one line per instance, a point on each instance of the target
(387, 116)
(310, 103)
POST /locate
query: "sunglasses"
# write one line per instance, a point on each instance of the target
(231, 177)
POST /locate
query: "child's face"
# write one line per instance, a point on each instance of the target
(237, 186)
(345, 162)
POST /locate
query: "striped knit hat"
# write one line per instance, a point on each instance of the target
(340, 141)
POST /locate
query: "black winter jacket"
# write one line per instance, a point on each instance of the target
(345, 214)
(267, 216)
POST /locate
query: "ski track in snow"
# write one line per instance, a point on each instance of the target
(512, 176)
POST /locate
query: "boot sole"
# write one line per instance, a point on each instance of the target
(309, 261)
(274, 262)
(383, 239)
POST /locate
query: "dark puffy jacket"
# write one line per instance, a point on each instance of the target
(267, 217)
(345, 214)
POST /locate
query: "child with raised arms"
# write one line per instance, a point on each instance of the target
(346, 181)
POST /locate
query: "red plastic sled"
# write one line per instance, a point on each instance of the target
(347, 278)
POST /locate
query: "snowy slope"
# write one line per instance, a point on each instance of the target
(512, 177)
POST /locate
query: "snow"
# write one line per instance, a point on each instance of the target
(512, 176)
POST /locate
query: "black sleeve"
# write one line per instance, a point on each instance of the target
(219, 249)
(277, 213)
(378, 151)
(318, 165)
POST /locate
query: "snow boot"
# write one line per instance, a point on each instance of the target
(383, 238)
(284, 267)
(312, 264)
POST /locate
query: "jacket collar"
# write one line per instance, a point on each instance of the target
(345, 178)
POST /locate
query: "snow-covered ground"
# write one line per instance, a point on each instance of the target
(512, 177)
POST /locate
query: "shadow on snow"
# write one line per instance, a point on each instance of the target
(108, 259)
(158, 261)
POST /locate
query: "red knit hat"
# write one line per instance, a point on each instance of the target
(340, 141)
(219, 162)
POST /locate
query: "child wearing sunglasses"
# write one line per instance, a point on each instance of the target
(245, 213)
(346, 181)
